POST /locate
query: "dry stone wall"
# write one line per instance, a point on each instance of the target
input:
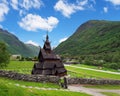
(92, 81)
(55, 79)
(27, 77)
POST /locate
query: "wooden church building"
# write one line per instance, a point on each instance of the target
(49, 63)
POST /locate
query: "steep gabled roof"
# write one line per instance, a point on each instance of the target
(46, 52)
(50, 55)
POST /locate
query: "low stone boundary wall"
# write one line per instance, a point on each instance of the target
(55, 79)
(27, 77)
(92, 81)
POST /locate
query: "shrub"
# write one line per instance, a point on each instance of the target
(115, 66)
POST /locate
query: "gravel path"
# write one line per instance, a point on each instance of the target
(91, 91)
(94, 69)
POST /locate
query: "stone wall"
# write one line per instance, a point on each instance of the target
(55, 79)
(92, 81)
(27, 77)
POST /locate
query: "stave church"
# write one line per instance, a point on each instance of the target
(49, 63)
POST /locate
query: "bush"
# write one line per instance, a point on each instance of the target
(116, 58)
(115, 66)
(4, 55)
(88, 61)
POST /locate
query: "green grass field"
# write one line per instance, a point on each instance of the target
(26, 83)
(8, 88)
(16, 91)
(95, 67)
(91, 74)
(20, 66)
(26, 67)
(110, 94)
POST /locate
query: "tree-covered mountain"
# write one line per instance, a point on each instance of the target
(15, 46)
(91, 38)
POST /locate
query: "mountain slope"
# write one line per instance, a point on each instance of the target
(93, 37)
(34, 49)
(15, 46)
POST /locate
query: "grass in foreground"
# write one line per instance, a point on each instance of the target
(103, 86)
(110, 94)
(16, 91)
(33, 84)
(12, 90)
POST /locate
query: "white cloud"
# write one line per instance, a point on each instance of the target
(31, 42)
(67, 9)
(115, 2)
(4, 1)
(14, 4)
(4, 9)
(22, 12)
(35, 22)
(25, 5)
(63, 39)
(105, 9)
(82, 3)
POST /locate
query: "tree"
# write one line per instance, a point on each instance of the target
(4, 55)
(116, 57)
(88, 61)
(114, 65)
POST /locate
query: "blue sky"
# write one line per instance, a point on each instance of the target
(30, 20)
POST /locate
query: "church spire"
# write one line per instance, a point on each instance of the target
(47, 45)
(47, 37)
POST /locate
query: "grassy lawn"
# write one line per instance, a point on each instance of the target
(92, 74)
(110, 94)
(16, 91)
(26, 83)
(103, 86)
(20, 66)
(60, 93)
(95, 67)
(26, 67)
(73, 74)
(7, 89)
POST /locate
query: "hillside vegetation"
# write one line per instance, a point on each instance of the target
(93, 37)
(15, 46)
(94, 43)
